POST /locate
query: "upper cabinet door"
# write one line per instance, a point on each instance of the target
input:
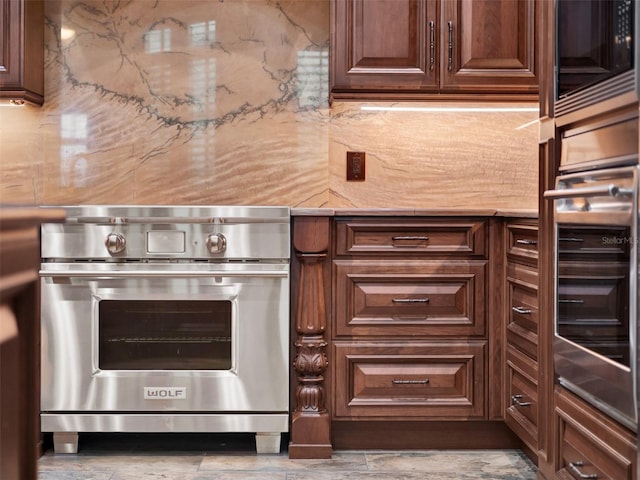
(433, 49)
(22, 50)
(384, 45)
(488, 46)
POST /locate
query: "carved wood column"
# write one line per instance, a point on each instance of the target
(310, 422)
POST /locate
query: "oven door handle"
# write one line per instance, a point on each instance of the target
(610, 190)
(164, 274)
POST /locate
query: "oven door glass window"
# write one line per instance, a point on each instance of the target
(164, 335)
(593, 289)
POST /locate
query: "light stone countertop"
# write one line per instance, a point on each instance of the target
(413, 212)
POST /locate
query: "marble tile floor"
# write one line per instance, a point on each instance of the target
(233, 457)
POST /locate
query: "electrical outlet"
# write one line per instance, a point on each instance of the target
(355, 166)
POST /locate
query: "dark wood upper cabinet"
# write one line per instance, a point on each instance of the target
(22, 50)
(422, 48)
(384, 45)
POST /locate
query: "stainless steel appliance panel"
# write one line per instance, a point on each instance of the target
(596, 254)
(73, 381)
(180, 232)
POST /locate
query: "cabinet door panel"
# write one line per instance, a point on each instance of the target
(10, 19)
(376, 43)
(488, 46)
(522, 242)
(522, 397)
(522, 315)
(383, 44)
(417, 298)
(411, 238)
(393, 379)
(22, 50)
(590, 443)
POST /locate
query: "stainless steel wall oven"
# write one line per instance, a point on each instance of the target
(596, 291)
(166, 319)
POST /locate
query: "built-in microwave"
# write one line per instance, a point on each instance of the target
(596, 56)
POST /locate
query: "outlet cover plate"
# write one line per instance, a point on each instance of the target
(355, 166)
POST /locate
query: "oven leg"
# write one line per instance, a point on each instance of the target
(65, 442)
(268, 442)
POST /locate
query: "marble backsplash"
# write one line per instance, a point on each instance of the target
(226, 102)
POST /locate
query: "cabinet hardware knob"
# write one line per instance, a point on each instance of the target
(410, 382)
(575, 467)
(410, 300)
(450, 62)
(521, 310)
(517, 401)
(432, 44)
(524, 241)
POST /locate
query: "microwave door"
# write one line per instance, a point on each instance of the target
(594, 42)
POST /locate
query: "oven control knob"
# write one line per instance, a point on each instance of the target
(115, 243)
(216, 243)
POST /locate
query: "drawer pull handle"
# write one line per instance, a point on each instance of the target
(571, 300)
(524, 241)
(410, 382)
(450, 60)
(410, 300)
(521, 310)
(432, 44)
(571, 239)
(517, 401)
(423, 238)
(575, 468)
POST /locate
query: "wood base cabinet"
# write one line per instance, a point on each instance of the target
(590, 444)
(404, 318)
(406, 380)
(411, 327)
(521, 315)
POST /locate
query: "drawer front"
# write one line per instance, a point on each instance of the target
(591, 443)
(522, 325)
(410, 298)
(444, 381)
(518, 360)
(522, 241)
(582, 453)
(522, 396)
(403, 237)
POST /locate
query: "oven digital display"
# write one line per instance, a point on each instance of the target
(164, 335)
(166, 241)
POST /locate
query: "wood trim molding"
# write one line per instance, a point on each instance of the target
(310, 421)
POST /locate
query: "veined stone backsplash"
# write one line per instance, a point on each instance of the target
(226, 102)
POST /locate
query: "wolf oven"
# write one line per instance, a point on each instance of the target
(166, 319)
(596, 287)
